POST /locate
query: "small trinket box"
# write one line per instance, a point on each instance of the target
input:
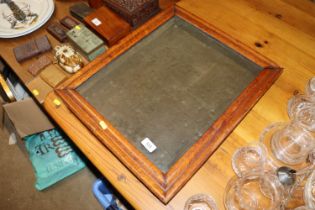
(108, 25)
(80, 11)
(53, 75)
(39, 64)
(88, 44)
(134, 12)
(69, 22)
(57, 31)
(39, 88)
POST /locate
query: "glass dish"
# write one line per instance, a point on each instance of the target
(200, 202)
(254, 191)
(301, 109)
(310, 89)
(302, 208)
(309, 191)
(249, 158)
(287, 144)
(295, 196)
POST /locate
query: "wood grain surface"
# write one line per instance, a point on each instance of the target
(282, 30)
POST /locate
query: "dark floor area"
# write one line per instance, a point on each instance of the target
(17, 191)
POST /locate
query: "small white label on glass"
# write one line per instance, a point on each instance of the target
(148, 144)
(96, 22)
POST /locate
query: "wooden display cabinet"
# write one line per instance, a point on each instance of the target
(186, 95)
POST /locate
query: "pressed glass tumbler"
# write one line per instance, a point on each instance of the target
(310, 89)
(200, 202)
(249, 158)
(254, 191)
(301, 109)
(287, 144)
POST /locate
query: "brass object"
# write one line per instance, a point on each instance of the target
(6, 89)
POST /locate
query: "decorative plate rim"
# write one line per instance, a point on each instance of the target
(13, 34)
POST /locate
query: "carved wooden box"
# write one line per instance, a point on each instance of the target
(135, 12)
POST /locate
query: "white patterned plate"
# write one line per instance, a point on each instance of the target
(37, 13)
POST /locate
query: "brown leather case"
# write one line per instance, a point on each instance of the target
(57, 31)
(32, 48)
(43, 44)
(108, 25)
(26, 51)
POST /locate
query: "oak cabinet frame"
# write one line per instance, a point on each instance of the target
(166, 185)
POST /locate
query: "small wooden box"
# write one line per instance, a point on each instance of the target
(108, 25)
(134, 12)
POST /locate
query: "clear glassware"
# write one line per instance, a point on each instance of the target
(310, 89)
(254, 191)
(302, 193)
(200, 202)
(295, 197)
(302, 208)
(301, 109)
(287, 144)
(309, 191)
(249, 158)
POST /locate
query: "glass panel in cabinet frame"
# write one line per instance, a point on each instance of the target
(166, 184)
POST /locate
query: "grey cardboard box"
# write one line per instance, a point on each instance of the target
(25, 118)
